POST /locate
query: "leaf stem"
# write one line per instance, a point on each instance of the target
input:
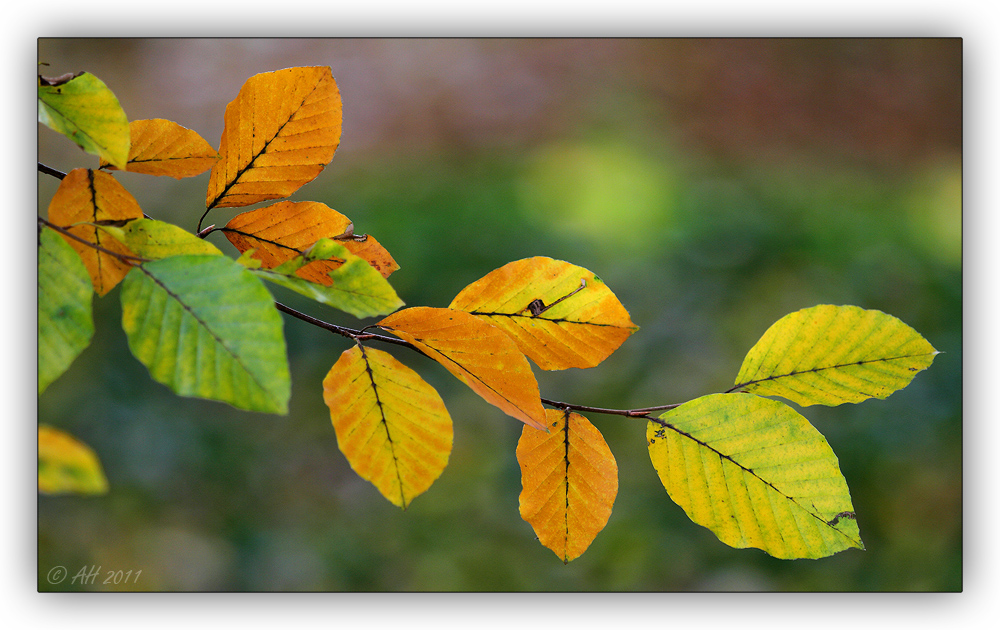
(48, 170)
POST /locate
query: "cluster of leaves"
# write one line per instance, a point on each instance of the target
(749, 468)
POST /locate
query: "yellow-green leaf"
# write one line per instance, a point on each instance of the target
(280, 131)
(154, 240)
(162, 147)
(285, 229)
(558, 314)
(354, 287)
(67, 465)
(205, 327)
(65, 315)
(756, 473)
(82, 108)
(391, 425)
(477, 353)
(569, 482)
(84, 199)
(830, 355)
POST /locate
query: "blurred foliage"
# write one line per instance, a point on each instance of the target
(714, 185)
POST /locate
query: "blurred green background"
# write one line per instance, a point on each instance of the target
(715, 185)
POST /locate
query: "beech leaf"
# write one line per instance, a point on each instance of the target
(391, 425)
(65, 313)
(479, 354)
(162, 147)
(85, 197)
(205, 327)
(281, 231)
(280, 131)
(67, 465)
(354, 287)
(558, 314)
(756, 473)
(154, 240)
(81, 107)
(569, 482)
(830, 355)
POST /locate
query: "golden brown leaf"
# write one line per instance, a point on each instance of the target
(477, 353)
(283, 230)
(83, 198)
(570, 481)
(162, 147)
(280, 131)
(559, 314)
(391, 425)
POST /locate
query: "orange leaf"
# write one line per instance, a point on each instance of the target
(559, 314)
(282, 231)
(280, 131)
(478, 354)
(391, 425)
(570, 481)
(162, 147)
(83, 198)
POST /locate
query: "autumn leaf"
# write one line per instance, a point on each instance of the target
(65, 314)
(391, 425)
(283, 230)
(569, 482)
(86, 197)
(81, 107)
(67, 465)
(280, 131)
(355, 287)
(756, 473)
(162, 147)
(205, 327)
(830, 355)
(558, 314)
(477, 353)
(154, 240)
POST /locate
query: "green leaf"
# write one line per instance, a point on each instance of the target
(358, 288)
(152, 239)
(82, 108)
(756, 473)
(67, 465)
(830, 355)
(65, 317)
(205, 327)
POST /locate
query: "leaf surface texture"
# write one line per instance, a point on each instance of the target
(280, 131)
(205, 327)
(65, 313)
(569, 482)
(391, 425)
(830, 355)
(560, 315)
(280, 231)
(479, 354)
(83, 198)
(162, 147)
(756, 473)
(86, 111)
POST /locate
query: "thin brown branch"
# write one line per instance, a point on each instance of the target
(125, 258)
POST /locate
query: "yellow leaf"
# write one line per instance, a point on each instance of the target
(84, 197)
(157, 239)
(391, 425)
(162, 147)
(569, 479)
(81, 107)
(283, 230)
(280, 131)
(756, 473)
(477, 353)
(559, 314)
(830, 355)
(66, 465)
